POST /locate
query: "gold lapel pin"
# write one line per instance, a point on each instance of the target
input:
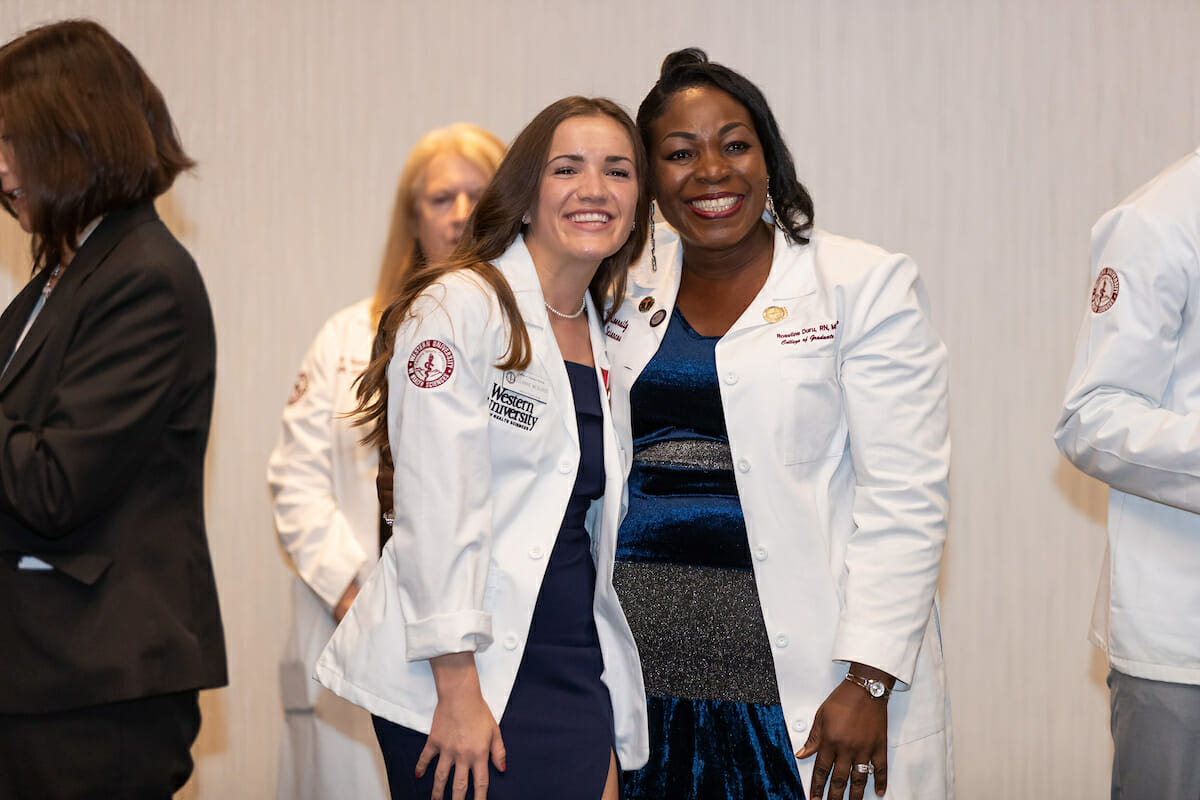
(774, 313)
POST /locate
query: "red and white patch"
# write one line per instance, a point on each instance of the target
(1104, 293)
(431, 364)
(299, 389)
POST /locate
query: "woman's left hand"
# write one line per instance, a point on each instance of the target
(850, 728)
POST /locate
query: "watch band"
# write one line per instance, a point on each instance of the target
(876, 688)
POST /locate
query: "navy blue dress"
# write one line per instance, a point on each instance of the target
(558, 725)
(686, 583)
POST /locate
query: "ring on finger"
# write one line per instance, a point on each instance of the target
(865, 769)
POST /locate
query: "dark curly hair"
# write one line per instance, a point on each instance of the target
(690, 67)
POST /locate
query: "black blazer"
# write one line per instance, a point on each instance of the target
(104, 418)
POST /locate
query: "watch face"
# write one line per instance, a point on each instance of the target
(876, 688)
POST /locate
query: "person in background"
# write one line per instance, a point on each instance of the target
(489, 643)
(782, 394)
(110, 624)
(1131, 418)
(322, 478)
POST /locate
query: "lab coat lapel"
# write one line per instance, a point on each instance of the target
(792, 279)
(642, 321)
(517, 266)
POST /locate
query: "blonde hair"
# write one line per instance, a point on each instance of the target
(403, 252)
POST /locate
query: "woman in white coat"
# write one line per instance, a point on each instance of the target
(489, 643)
(322, 478)
(783, 396)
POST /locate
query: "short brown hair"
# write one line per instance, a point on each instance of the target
(89, 131)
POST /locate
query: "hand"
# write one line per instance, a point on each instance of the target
(850, 728)
(343, 603)
(464, 732)
(384, 478)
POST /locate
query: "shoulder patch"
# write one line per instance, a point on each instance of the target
(299, 389)
(1104, 293)
(431, 364)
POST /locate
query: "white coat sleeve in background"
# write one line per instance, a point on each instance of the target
(1114, 426)
(894, 378)
(312, 528)
(438, 428)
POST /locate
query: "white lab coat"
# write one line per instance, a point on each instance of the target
(483, 477)
(837, 424)
(326, 513)
(1131, 418)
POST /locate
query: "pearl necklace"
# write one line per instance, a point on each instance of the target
(555, 311)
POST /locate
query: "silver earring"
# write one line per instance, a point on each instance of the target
(525, 219)
(771, 204)
(653, 257)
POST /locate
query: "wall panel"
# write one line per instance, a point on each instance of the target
(982, 138)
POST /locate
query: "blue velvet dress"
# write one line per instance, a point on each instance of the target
(558, 725)
(686, 583)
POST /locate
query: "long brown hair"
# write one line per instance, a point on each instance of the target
(90, 133)
(402, 252)
(492, 228)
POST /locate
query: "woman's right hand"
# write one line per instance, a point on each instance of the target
(463, 733)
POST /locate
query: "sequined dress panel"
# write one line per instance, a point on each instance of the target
(686, 582)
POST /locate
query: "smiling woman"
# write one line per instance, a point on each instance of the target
(488, 643)
(783, 395)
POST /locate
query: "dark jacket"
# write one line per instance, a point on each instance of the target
(104, 419)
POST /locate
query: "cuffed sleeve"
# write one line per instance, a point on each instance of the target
(438, 430)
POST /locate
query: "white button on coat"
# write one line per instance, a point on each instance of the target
(832, 401)
(456, 575)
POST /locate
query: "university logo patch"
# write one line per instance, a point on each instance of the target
(1104, 293)
(430, 365)
(299, 389)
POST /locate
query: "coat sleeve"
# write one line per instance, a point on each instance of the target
(438, 428)
(1113, 425)
(894, 377)
(312, 528)
(111, 403)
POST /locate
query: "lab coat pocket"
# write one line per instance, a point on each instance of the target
(812, 425)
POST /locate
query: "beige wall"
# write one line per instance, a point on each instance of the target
(983, 138)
